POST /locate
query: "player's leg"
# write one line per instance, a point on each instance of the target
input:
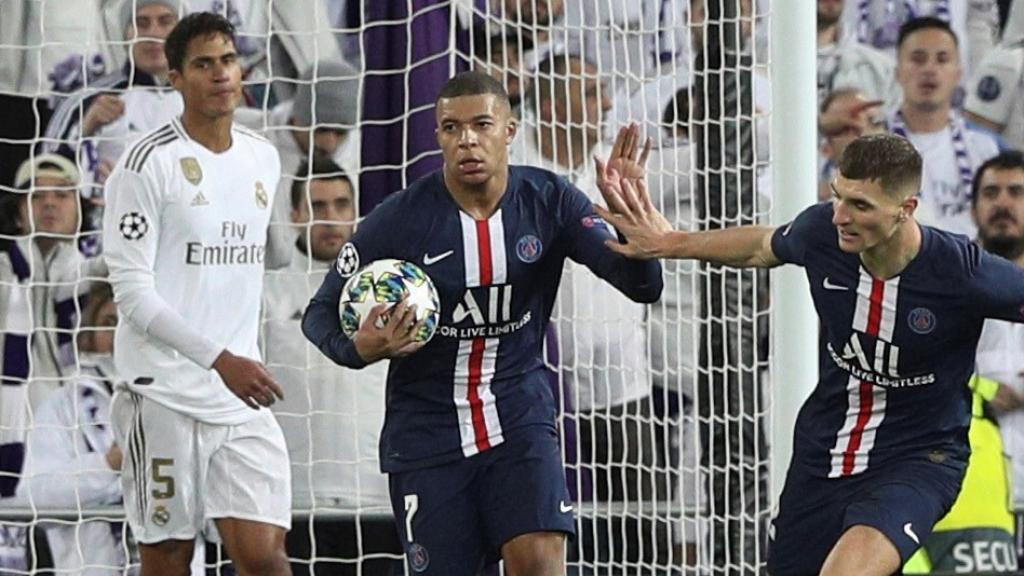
(160, 498)
(892, 514)
(525, 504)
(247, 492)
(255, 548)
(167, 558)
(862, 551)
(808, 522)
(437, 520)
(535, 554)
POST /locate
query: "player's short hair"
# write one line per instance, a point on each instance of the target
(924, 23)
(473, 83)
(891, 160)
(193, 26)
(1005, 160)
(676, 115)
(320, 167)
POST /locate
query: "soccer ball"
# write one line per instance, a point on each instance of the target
(387, 282)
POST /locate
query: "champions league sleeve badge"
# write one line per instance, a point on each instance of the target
(348, 260)
(133, 226)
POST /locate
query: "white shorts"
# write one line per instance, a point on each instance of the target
(180, 474)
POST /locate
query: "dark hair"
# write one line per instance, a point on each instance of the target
(887, 158)
(488, 47)
(924, 23)
(473, 83)
(193, 26)
(1005, 160)
(320, 168)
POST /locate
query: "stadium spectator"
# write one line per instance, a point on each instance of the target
(331, 417)
(469, 438)
(322, 119)
(846, 114)
(43, 278)
(51, 49)
(977, 535)
(995, 93)
(601, 333)
(881, 444)
(999, 211)
(96, 124)
(877, 23)
(843, 62)
(929, 70)
(184, 235)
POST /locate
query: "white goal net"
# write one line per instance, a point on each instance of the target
(663, 408)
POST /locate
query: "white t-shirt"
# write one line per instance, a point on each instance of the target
(185, 234)
(996, 91)
(945, 198)
(601, 334)
(1001, 358)
(331, 416)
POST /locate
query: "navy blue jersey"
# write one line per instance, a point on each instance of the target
(897, 353)
(482, 375)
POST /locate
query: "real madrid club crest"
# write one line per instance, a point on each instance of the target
(261, 195)
(192, 171)
(161, 516)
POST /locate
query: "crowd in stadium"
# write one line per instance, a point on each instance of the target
(661, 407)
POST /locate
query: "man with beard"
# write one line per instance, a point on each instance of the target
(977, 533)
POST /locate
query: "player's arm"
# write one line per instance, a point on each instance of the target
(648, 234)
(377, 338)
(131, 230)
(383, 334)
(997, 286)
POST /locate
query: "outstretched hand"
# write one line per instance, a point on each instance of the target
(623, 185)
(626, 158)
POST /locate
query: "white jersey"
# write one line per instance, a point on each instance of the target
(996, 91)
(945, 195)
(602, 340)
(184, 236)
(1001, 358)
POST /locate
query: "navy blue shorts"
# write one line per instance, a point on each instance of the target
(903, 500)
(455, 517)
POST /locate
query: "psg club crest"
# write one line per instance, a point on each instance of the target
(921, 320)
(348, 260)
(192, 171)
(419, 560)
(261, 195)
(133, 226)
(529, 248)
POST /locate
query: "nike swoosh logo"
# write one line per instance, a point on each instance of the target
(564, 507)
(908, 529)
(830, 286)
(785, 231)
(428, 259)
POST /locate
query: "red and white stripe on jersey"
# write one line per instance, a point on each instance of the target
(875, 315)
(483, 243)
(865, 411)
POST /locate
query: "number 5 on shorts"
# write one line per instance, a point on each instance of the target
(412, 504)
(165, 479)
